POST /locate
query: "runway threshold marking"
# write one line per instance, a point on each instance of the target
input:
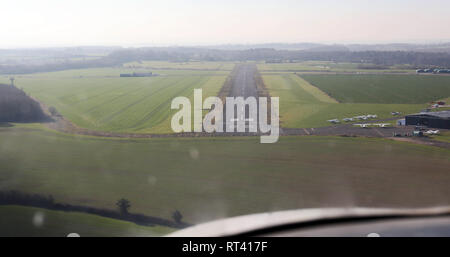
(306, 131)
(379, 133)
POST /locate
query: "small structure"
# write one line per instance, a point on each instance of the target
(401, 122)
(12, 81)
(430, 119)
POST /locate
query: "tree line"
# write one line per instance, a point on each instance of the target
(182, 54)
(48, 202)
(17, 106)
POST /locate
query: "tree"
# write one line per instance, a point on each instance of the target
(177, 216)
(17, 106)
(123, 205)
(53, 111)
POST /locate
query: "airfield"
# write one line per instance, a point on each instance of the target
(96, 102)
(113, 140)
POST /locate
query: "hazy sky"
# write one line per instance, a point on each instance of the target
(26, 23)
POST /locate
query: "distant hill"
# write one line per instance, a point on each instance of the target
(17, 106)
(277, 46)
(424, 48)
(414, 55)
(316, 47)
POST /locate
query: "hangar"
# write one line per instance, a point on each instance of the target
(430, 119)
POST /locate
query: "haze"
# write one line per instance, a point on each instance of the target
(28, 23)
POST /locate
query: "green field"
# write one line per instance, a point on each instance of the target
(325, 66)
(200, 65)
(444, 137)
(385, 89)
(99, 99)
(303, 105)
(211, 178)
(29, 221)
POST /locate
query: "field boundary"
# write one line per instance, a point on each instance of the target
(47, 202)
(330, 99)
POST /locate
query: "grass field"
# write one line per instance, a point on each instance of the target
(325, 66)
(385, 89)
(29, 221)
(200, 65)
(211, 178)
(444, 137)
(99, 99)
(303, 105)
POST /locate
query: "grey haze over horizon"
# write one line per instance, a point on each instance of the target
(55, 23)
(401, 46)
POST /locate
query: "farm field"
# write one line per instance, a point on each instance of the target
(200, 65)
(29, 221)
(212, 178)
(303, 105)
(99, 99)
(324, 66)
(385, 89)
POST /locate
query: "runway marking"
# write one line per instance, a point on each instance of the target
(379, 133)
(306, 131)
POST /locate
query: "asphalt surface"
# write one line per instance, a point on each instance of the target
(243, 85)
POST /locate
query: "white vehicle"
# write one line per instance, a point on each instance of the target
(372, 116)
(347, 119)
(395, 113)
